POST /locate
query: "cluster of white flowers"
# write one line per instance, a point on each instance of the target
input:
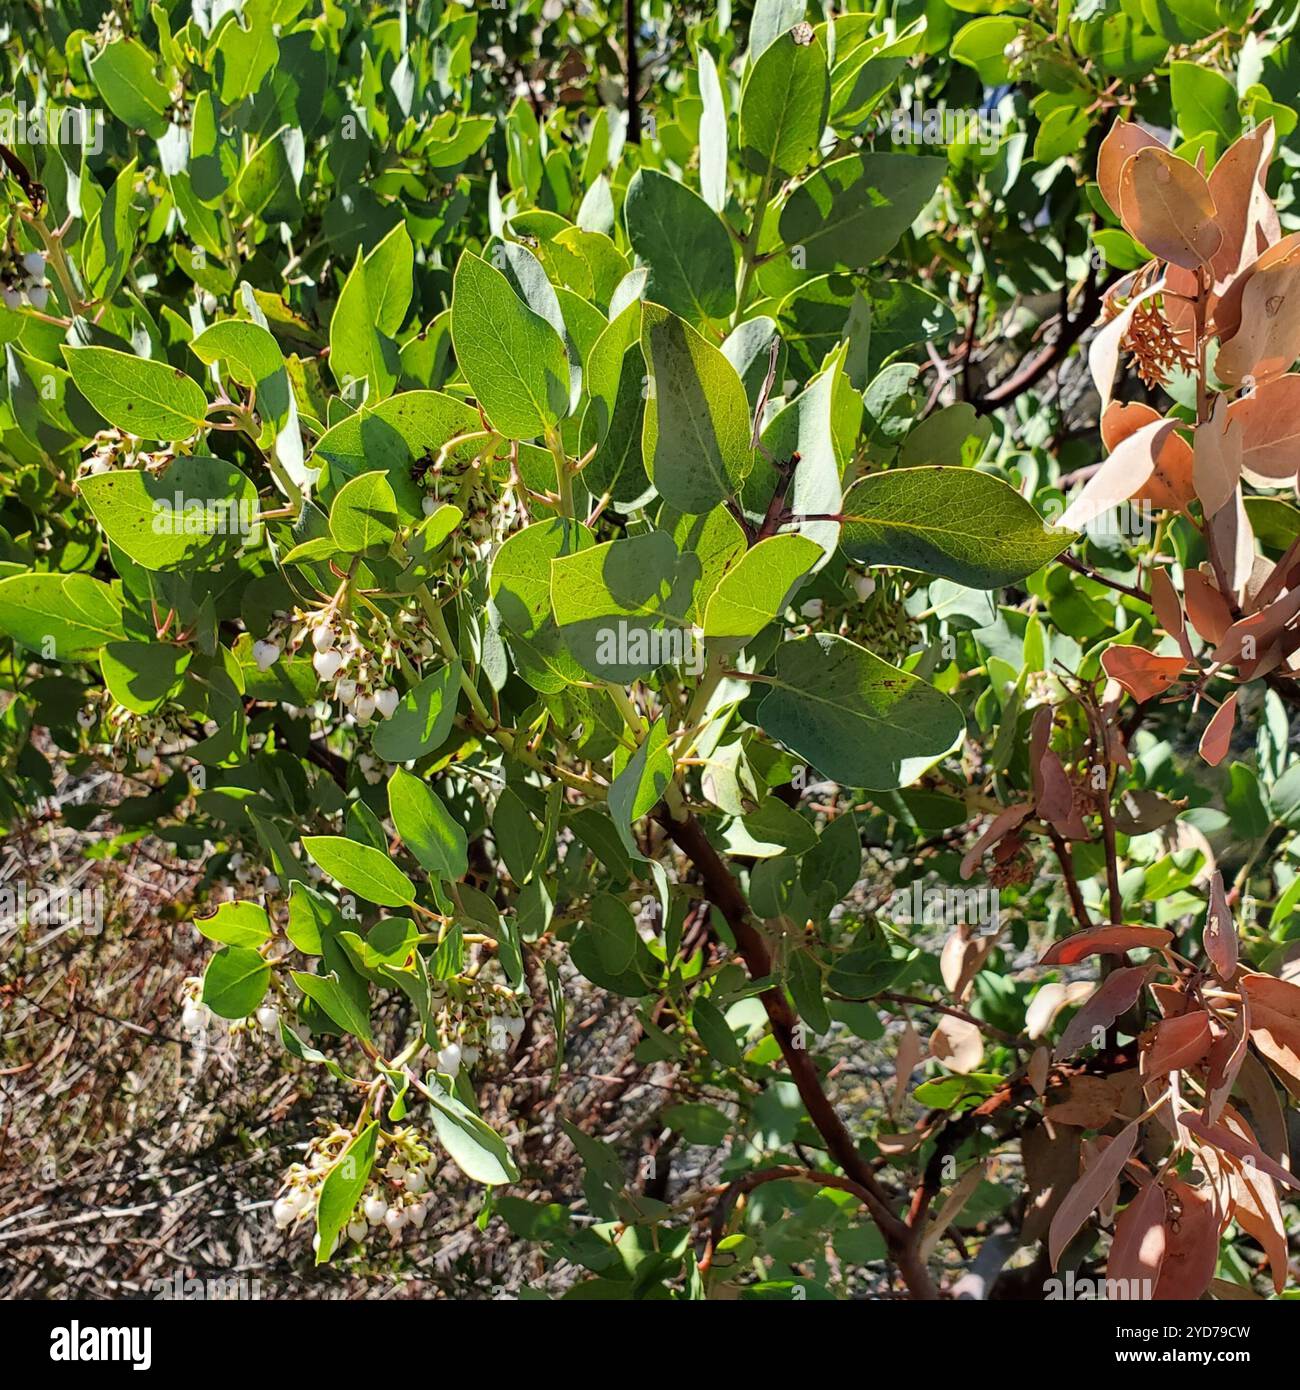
(195, 1014)
(359, 663)
(396, 1198)
(471, 1023)
(129, 733)
(111, 449)
(23, 280)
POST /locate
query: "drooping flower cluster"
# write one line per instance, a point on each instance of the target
(395, 1198)
(22, 280)
(360, 660)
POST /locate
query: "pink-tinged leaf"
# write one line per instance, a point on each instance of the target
(1164, 599)
(1086, 1194)
(1226, 304)
(1216, 466)
(1142, 673)
(1218, 732)
(1120, 477)
(1220, 936)
(1246, 639)
(1225, 1061)
(1259, 1213)
(1245, 211)
(1260, 1096)
(1239, 1147)
(1001, 824)
(1104, 350)
(1275, 1025)
(1235, 541)
(1270, 430)
(1165, 203)
(1138, 1248)
(1036, 1071)
(1207, 609)
(1050, 999)
(1268, 340)
(1123, 140)
(958, 1044)
(1177, 1043)
(1112, 941)
(1191, 1243)
(906, 1061)
(1056, 801)
(1117, 993)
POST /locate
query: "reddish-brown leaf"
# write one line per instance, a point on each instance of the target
(1224, 1062)
(1113, 941)
(1275, 1024)
(1142, 673)
(1051, 1157)
(1270, 429)
(1165, 203)
(1191, 1243)
(1086, 1194)
(1268, 339)
(1245, 211)
(1117, 993)
(1123, 140)
(1225, 304)
(1177, 1043)
(1001, 824)
(1220, 935)
(1120, 477)
(1239, 1147)
(1206, 607)
(1138, 1248)
(1164, 599)
(1258, 1213)
(1218, 732)
(1216, 462)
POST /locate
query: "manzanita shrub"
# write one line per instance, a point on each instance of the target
(544, 511)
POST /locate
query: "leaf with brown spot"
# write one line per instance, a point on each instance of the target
(1113, 941)
(1142, 673)
(1268, 340)
(1191, 1244)
(1086, 1194)
(1220, 935)
(1123, 140)
(1226, 306)
(1165, 203)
